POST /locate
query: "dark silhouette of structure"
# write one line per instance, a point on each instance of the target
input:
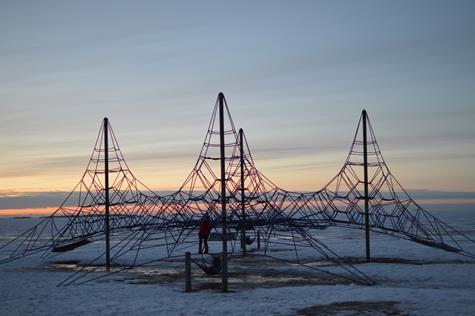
(109, 202)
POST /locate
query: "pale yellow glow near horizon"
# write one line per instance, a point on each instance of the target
(302, 172)
(282, 173)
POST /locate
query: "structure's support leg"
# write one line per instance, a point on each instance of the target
(243, 208)
(366, 197)
(106, 183)
(223, 193)
(258, 240)
(188, 271)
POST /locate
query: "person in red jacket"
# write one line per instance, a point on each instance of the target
(205, 229)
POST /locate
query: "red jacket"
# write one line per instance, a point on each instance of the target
(205, 228)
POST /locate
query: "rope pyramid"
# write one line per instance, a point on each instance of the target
(148, 227)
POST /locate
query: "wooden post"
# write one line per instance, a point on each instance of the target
(258, 240)
(188, 272)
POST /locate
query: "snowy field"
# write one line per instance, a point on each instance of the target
(411, 279)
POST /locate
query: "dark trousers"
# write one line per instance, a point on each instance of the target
(203, 240)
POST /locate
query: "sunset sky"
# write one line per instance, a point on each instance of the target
(296, 76)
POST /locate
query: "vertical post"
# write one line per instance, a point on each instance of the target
(188, 271)
(243, 208)
(223, 193)
(366, 197)
(258, 239)
(106, 183)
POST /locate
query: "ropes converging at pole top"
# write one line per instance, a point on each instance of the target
(141, 227)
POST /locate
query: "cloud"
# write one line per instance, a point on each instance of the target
(12, 200)
(30, 200)
(441, 195)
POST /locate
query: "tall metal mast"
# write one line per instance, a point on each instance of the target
(366, 197)
(243, 208)
(106, 184)
(223, 193)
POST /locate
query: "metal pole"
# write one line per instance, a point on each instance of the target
(223, 193)
(106, 182)
(366, 197)
(243, 209)
(188, 271)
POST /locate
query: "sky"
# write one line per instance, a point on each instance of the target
(296, 75)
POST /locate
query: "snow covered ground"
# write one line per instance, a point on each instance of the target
(429, 281)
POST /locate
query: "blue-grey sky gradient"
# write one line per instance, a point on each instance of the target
(296, 75)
